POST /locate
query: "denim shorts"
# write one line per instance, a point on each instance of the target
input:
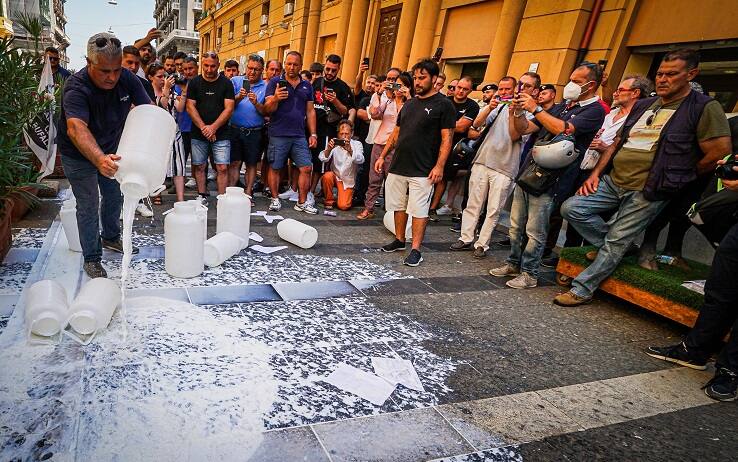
(221, 151)
(293, 147)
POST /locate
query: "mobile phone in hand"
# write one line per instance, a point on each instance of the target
(282, 83)
(339, 142)
(246, 86)
(437, 54)
(365, 61)
(602, 63)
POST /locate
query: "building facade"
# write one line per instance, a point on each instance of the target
(484, 39)
(178, 19)
(52, 17)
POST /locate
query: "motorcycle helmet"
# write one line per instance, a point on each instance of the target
(554, 153)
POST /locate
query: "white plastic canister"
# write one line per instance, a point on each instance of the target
(47, 308)
(202, 213)
(297, 233)
(144, 149)
(234, 213)
(94, 306)
(68, 215)
(389, 223)
(183, 241)
(221, 247)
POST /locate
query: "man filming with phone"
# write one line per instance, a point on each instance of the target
(289, 101)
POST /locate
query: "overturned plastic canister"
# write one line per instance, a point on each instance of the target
(47, 308)
(297, 233)
(389, 223)
(221, 247)
(94, 306)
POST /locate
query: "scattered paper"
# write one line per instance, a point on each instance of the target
(397, 371)
(695, 286)
(255, 237)
(363, 384)
(271, 218)
(266, 249)
(258, 214)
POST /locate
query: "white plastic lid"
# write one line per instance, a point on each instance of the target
(47, 323)
(83, 321)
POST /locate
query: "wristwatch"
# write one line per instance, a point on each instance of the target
(313, 135)
(537, 109)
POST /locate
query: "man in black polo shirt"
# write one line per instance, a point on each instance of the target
(422, 142)
(579, 115)
(95, 104)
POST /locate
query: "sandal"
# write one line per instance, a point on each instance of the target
(156, 200)
(365, 215)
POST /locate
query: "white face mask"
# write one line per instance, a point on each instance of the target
(572, 91)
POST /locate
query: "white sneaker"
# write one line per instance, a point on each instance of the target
(307, 207)
(202, 200)
(287, 195)
(191, 184)
(143, 210)
(524, 281)
(311, 199)
(505, 270)
(445, 210)
(276, 205)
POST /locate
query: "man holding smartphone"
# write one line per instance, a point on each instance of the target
(289, 101)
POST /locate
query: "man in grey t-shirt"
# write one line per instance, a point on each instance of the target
(495, 165)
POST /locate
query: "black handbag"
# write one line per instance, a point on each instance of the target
(536, 180)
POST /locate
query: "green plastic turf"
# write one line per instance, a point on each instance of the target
(665, 283)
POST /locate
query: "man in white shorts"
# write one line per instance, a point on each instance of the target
(422, 142)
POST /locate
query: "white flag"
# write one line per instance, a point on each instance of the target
(40, 134)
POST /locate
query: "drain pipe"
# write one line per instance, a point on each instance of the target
(589, 31)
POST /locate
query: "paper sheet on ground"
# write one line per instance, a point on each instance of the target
(397, 371)
(255, 237)
(267, 249)
(271, 218)
(258, 213)
(363, 384)
(696, 286)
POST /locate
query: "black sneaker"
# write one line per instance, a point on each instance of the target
(677, 354)
(413, 259)
(551, 261)
(456, 218)
(724, 386)
(117, 246)
(461, 245)
(94, 269)
(433, 216)
(456, 227)
(394, 246)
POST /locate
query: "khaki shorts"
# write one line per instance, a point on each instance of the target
(409, 194)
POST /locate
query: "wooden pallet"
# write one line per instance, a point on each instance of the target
(675, 311)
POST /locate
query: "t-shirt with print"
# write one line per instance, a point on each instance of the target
(469, 109)
(326, 114)
(209, 98)
(632, 163)
(104, 111)
(421, 121)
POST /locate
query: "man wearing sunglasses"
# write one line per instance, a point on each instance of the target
(664, 144)
(60, 74)
(95, 104)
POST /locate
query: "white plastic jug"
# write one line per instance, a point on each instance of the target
(183, 241)
(144, 149)
(68, 215)
(297, 233)
(221, 247)
(202, 213)
(234, 213)
(389, 223)
(47, 308)
(94, 306)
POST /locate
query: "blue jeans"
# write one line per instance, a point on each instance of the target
(529, 215)
(88, 185)
(221, 151)
(283, 147)
(633, 213)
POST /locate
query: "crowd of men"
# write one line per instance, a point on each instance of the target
(612, 166)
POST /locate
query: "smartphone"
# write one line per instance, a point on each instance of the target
(395, 86)
(282, 83)
(330, 90)
(437, 54)
(520, 88)
(365, 61)
(339, 142)
(602, 63)
(246, 86)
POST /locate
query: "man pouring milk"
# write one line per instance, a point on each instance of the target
(95, 104)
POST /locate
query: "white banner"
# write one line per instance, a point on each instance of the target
(40, 134)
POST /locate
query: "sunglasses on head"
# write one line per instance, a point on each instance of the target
(102, 42)
(210, 54)
(451, 87)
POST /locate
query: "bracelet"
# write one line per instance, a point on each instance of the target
(313, 135)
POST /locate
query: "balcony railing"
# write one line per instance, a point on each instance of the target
(197, 6)
(179, 34)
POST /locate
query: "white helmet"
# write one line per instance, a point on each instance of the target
(557, 152)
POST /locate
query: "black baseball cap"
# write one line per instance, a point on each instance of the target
(489, 86)
(548, 86)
